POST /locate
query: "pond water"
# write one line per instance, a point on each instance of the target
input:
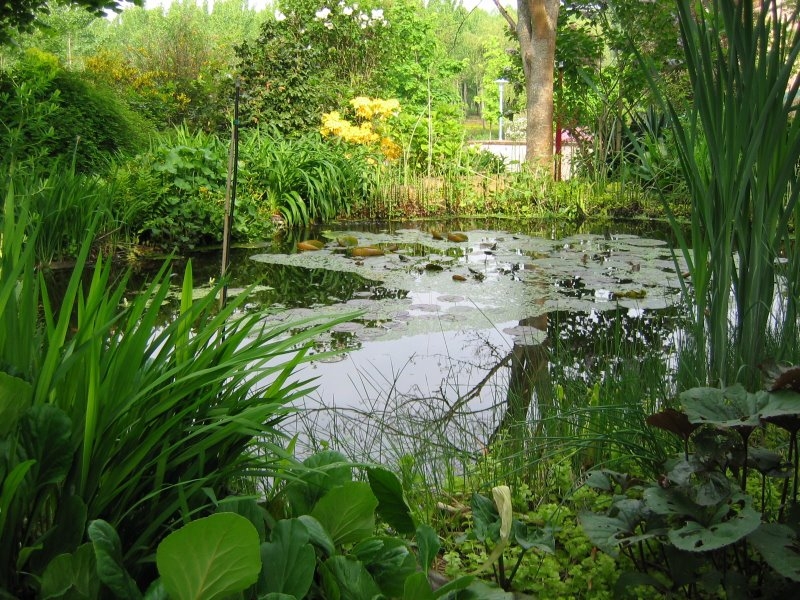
(449, 331)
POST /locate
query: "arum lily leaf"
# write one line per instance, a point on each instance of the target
(210, 558)
(73, 574)
(429, 546)
(288, 560)
(347, 512)
(110, 568)
(15, 398)
(317, 534)
(390, 562)
(532, 537)
(392, 506)
(673, 421)
(779, 546)
(486, 519)
(347, 579)
(417, 588)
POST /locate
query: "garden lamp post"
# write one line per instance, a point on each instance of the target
(500, 85)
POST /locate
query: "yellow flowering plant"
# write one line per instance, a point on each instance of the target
(371, 116)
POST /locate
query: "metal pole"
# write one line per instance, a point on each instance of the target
(230, 196)
(501, 84)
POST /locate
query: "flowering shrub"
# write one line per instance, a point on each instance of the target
(372, 114)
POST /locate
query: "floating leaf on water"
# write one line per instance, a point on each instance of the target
(347, 241)
(632, 294)
(348, 327)
(450, 298)
(526, 335)
(457, 236)
(395, 324)
(436, 235)
(458, 277)
(364, 251)
(332, 358)
(424, 307)
(310, 245)
(433, 267)
(370, 333)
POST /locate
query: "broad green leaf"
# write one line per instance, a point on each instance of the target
(390, 562)
(277, 596)
(418, 588)
(429, 546)
(317, 534)
(71, 573)
(210, 558)
(485, 518)
(347, 579)
(452, 588)
(733, 521)
(730, 407)
(248, 508)
(15, 398)
(534, 537)
(47, 438)
(347, 512)
(779, 546)
(156, 591)
(321, 472)
(392, 506)
(671, 502)
(288, 560)
(67, 532)
(110, 568)
(474, 590)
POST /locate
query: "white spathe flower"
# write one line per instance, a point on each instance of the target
(363, 26)
(328, 24)
(347, 11)
(377, 14)
(363, 16)
(322, 13)
(279, 16)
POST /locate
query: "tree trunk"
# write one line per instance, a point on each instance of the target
(536, 32)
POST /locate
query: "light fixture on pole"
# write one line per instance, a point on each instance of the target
(501, 84)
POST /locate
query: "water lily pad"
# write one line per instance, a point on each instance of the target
(425, 307)
(349, 327)
(450, 298)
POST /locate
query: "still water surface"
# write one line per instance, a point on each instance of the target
(449, 330)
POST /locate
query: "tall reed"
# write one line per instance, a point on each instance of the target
(738, 151)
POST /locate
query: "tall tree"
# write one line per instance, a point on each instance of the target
(21, 15)
(535, 27)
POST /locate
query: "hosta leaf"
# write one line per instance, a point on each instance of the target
(392, 506)
(323, 471)
(288, 560)
(347, 512)
(210, 558)
(317, 534)
(780, 548)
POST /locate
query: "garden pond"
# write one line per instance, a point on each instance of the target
(453, 324)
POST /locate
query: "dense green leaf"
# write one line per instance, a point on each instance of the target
(288, 560)
(418, 588)
(347, 512)
(780, 548)
(110, 568)
(321, 472)
(317, 534)
(730, 523)
(485, 518)
(15, 398)
(528, 537)
(347, 579)
(47, 438)
(730, 407)
(71, 573)
(210, 558)
(392, 506)
(428, 544)
(389, 561)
